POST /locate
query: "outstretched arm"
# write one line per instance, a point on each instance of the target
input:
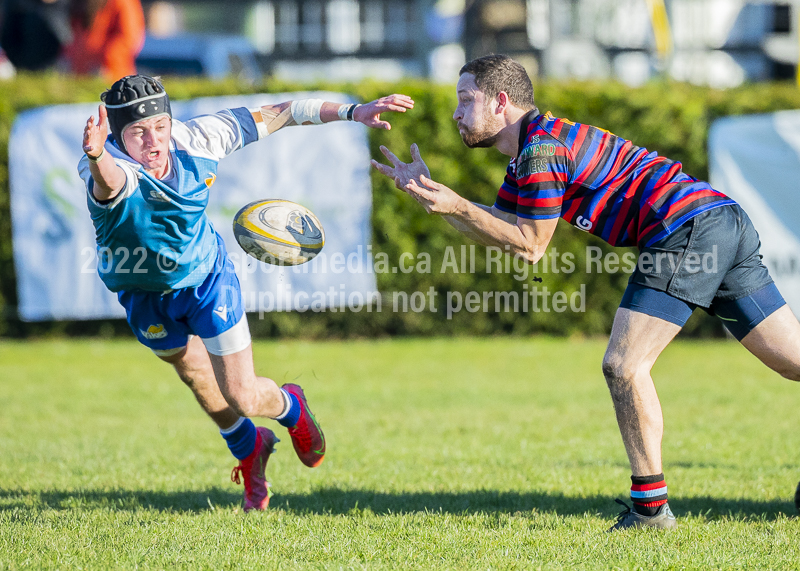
(316, 111)
(489, 226)
(527, 238)
(109, 178)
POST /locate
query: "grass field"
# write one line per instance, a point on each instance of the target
(463, 453)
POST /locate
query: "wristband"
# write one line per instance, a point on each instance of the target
(96, 159)
(346, 111)
(351, 111)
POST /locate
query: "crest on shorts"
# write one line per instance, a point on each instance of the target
(154, 332)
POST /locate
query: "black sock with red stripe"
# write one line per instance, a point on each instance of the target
(648, 493)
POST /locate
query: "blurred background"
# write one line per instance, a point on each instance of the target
(719, 43)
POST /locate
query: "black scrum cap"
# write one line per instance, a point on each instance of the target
(132, 99)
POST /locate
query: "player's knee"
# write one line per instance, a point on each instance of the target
(617, 370)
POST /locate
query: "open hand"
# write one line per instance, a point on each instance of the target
(94, 135)
(402, 173)
(370, 113)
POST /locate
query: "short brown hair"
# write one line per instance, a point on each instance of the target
(496, 73)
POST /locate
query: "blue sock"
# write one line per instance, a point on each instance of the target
(291, 411)
(241, 438)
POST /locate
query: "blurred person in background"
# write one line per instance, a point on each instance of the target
(107, 37)
(148, 186)
(698, 248)
(33, 32)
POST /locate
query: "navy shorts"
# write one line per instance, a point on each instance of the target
(713, 262)
(214, 311)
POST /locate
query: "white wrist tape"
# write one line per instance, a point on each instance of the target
(268, 120)
(307, 111)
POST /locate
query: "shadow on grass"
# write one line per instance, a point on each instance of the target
(122, 500)
(338, 501)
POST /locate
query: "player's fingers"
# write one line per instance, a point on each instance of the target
(103, 114)
(420, 192)
(391, 156)
(382, 168)
(376, 123)
(417, 190)
(395, 108)
(400, 99)
(424, 188)
(415, 153)
(423, 201)
(430, 183)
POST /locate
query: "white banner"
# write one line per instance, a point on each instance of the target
(756, 161)
(325, 168)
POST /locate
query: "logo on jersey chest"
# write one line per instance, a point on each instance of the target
(583, 223)
(210, 179)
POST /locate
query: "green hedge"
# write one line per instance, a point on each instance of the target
(672, 119)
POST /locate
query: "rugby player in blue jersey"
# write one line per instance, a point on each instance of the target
(627, 196)
(148, 186)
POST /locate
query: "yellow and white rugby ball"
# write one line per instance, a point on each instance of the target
(278, 232)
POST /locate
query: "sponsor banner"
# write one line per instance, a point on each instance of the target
(756, 161)
(324, 168)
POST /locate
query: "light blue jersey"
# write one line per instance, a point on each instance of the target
(155, 234)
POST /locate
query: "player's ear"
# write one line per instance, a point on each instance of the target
(502, 102)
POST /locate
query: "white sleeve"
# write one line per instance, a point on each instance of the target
(215, 136)
(131, 182)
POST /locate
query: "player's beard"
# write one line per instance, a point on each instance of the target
(483, 135)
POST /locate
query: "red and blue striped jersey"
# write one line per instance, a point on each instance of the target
(600, 183)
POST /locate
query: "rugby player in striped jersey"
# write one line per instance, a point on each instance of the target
(627, 196)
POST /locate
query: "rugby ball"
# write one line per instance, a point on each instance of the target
(278, 232)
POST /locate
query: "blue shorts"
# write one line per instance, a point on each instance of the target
(712, 262)
(214, 311)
